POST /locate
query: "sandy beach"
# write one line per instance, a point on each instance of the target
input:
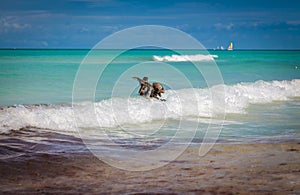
(258, 168)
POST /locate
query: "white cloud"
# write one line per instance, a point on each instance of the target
(9, 24)
(44, 43)
(84, 29)
(294, 22)
(111, 28)
(99, 3)
(221, 26)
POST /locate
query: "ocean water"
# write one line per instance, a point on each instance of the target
(261, 99)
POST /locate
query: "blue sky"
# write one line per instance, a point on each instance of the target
(250, 24)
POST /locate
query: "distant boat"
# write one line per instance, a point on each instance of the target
(219, 48)
(230, 47)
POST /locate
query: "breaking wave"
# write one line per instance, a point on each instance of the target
(185, 58)
(179, 104)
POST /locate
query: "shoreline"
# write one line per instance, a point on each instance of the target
(244, 168)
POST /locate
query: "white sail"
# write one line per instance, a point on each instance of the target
(230, 47)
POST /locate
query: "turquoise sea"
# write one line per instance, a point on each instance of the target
(260, 98)
(47, 76)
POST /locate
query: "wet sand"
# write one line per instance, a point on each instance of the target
(260, 168)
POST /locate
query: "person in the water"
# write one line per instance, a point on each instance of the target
(148, 90)
(158, 89)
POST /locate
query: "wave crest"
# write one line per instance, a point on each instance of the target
(135, 110)
(184, 58)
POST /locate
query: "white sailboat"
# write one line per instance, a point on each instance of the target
(230, 47)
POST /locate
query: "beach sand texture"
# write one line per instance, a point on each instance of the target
(256, 168)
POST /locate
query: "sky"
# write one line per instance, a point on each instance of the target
(250, 24)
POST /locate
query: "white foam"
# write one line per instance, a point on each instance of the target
(135, 110)
(184, 58)
(238, 97)
(50, 117)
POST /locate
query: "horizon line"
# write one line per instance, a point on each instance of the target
(210, 49)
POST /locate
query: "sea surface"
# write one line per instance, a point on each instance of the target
(257, 101)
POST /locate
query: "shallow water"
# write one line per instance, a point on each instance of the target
(258, 101)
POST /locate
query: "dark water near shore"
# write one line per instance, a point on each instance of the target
(62, 164)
